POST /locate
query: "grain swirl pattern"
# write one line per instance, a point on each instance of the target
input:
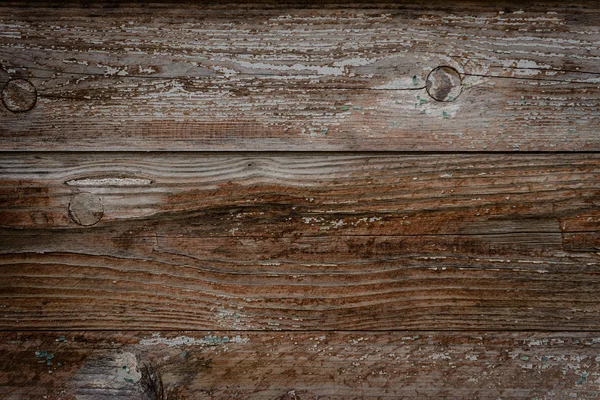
(309, 241)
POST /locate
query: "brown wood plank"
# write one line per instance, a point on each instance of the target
(302, 365)
(317, 77)
(275, 195)
(309, 241)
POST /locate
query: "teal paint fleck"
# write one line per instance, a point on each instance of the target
(415, 80)
(445, 114)
(40, 354)
(357, 107)
(583, 378)
(324, 131)
(524, 358)
(130, 380)
(126, 368)
(450, 98)
(183, 354)
(61, 339)
(345, 108)
(45, 355)
(59, 364)
(416, 337)
(216, 340)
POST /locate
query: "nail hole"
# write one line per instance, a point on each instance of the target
(444, 84)
(19, 95)
(86, 209)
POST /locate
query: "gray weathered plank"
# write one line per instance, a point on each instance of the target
(328, 77)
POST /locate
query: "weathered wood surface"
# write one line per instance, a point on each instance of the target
(266, 274)
(281, 77)
(309, 241)
(292, 366)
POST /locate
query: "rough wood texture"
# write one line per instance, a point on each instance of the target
(260, 241)
(455, 266)
(293, 366)
(316, 77)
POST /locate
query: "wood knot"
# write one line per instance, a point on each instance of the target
(443, 84)
(19, 95)
(86, 209)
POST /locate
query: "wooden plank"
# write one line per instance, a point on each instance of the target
(309, 241)
(307, 194)
(316, 77)
(303, 365)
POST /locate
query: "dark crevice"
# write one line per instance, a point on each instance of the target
(522, 78)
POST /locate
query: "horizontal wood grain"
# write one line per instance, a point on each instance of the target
(299, 200)
(293, 366)
(308, 241)
(275, 195)
(311, 77)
